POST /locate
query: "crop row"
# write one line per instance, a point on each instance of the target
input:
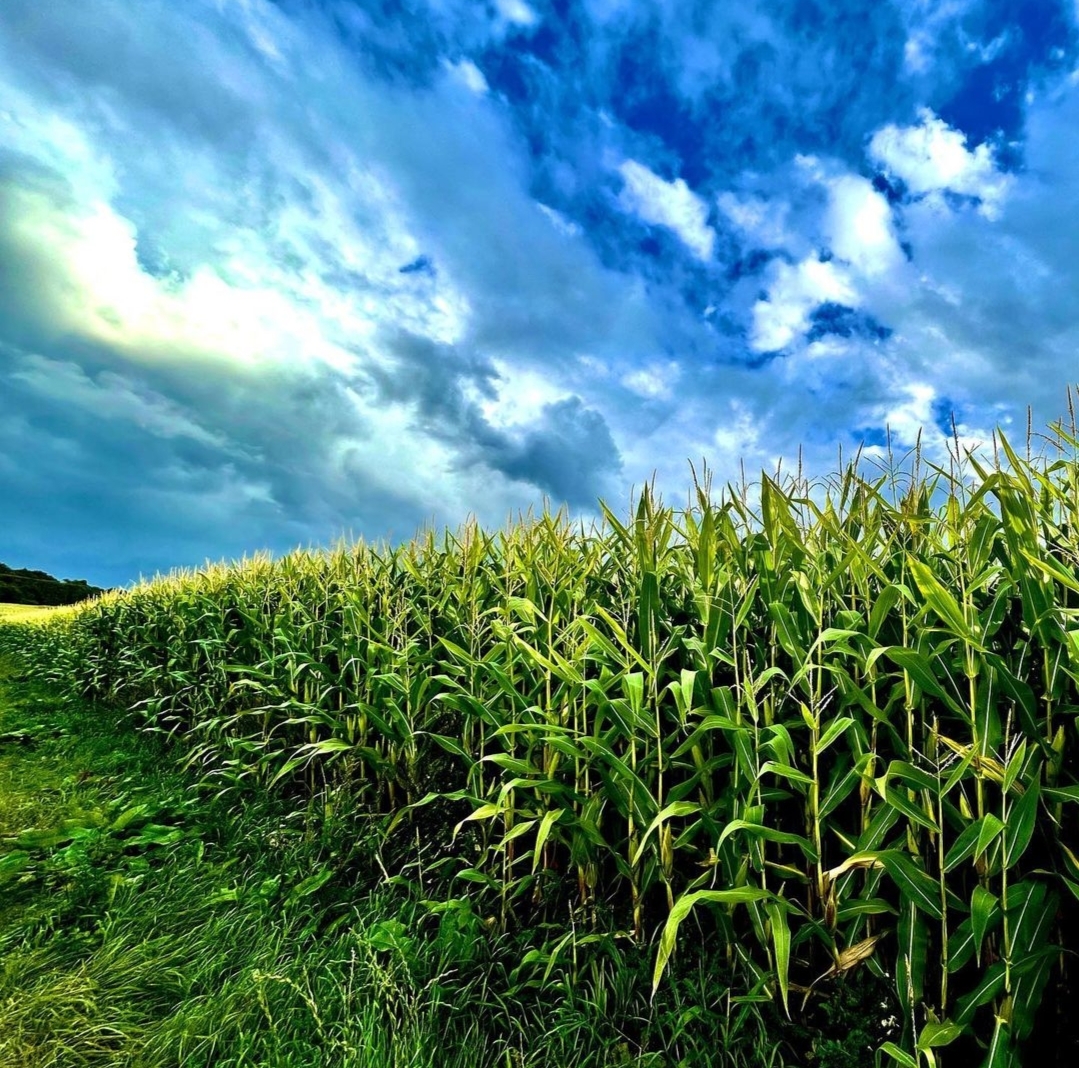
(839, 731)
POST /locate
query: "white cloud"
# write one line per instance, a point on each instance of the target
(267, 28)
(740, 433)
(794, 292)
(517, 11)
(859, 227)
(243, 309)
(764, 222)
(564, 226)
(654, 380)
(522, 394)
(918, 52)
(670, 204)
(910, 415)
(933, 27)
(932, 157)
(469, 75)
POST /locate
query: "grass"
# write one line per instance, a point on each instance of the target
(144, 923)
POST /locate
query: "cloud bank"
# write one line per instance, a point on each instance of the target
(327, 269)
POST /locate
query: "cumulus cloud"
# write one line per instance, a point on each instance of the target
(931, 157)
(670, 204)
(859, 227)
(795, 290)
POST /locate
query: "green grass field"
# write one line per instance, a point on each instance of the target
(25, 613)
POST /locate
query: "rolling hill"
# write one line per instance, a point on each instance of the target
(21, 586)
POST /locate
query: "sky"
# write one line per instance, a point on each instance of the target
(274, 273)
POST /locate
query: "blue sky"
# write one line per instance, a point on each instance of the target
(275, 272)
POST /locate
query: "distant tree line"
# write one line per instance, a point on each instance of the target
(21, 586)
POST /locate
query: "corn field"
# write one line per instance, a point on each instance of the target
(834, 731)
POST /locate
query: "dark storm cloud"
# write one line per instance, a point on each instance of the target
(570, 454)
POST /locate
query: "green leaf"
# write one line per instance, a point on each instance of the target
(883, 604)
(922, 780)
(974, 841)
(942, 602)
(1001, 1051)
(911, 958)
(781, 942)
(157, 834)
(677, 808)
(1014, 765)
(484, 812)
(1031, 911)
(11, 864)
(549, 819)
(42, 839)
(901, 803)
(516, 831)
(935, 1034)
(748, 600)
(842, 786)
(959, 772)
(963, 846)
(914, 882)
(786, 630)
(614, 657)
(682, 908)
(832, 732)
(873, 906)
(1053, 570)
(784, 771)
(884, 819)
(984, 906)
(1025, 905)
(920, 669)
(514, 765)
(769, 834)
(1030, 977)
(308, 886)
(898, 1055)
(130, 815)
(960, 946)
(991, 984)
(1062, 793)
(991, 829)
(1020, 825)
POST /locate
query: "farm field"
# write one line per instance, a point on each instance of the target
(19, 613)
(725, 785)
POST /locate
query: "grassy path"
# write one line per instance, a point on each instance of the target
(141, 924)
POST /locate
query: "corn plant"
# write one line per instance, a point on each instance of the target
(831, 725)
